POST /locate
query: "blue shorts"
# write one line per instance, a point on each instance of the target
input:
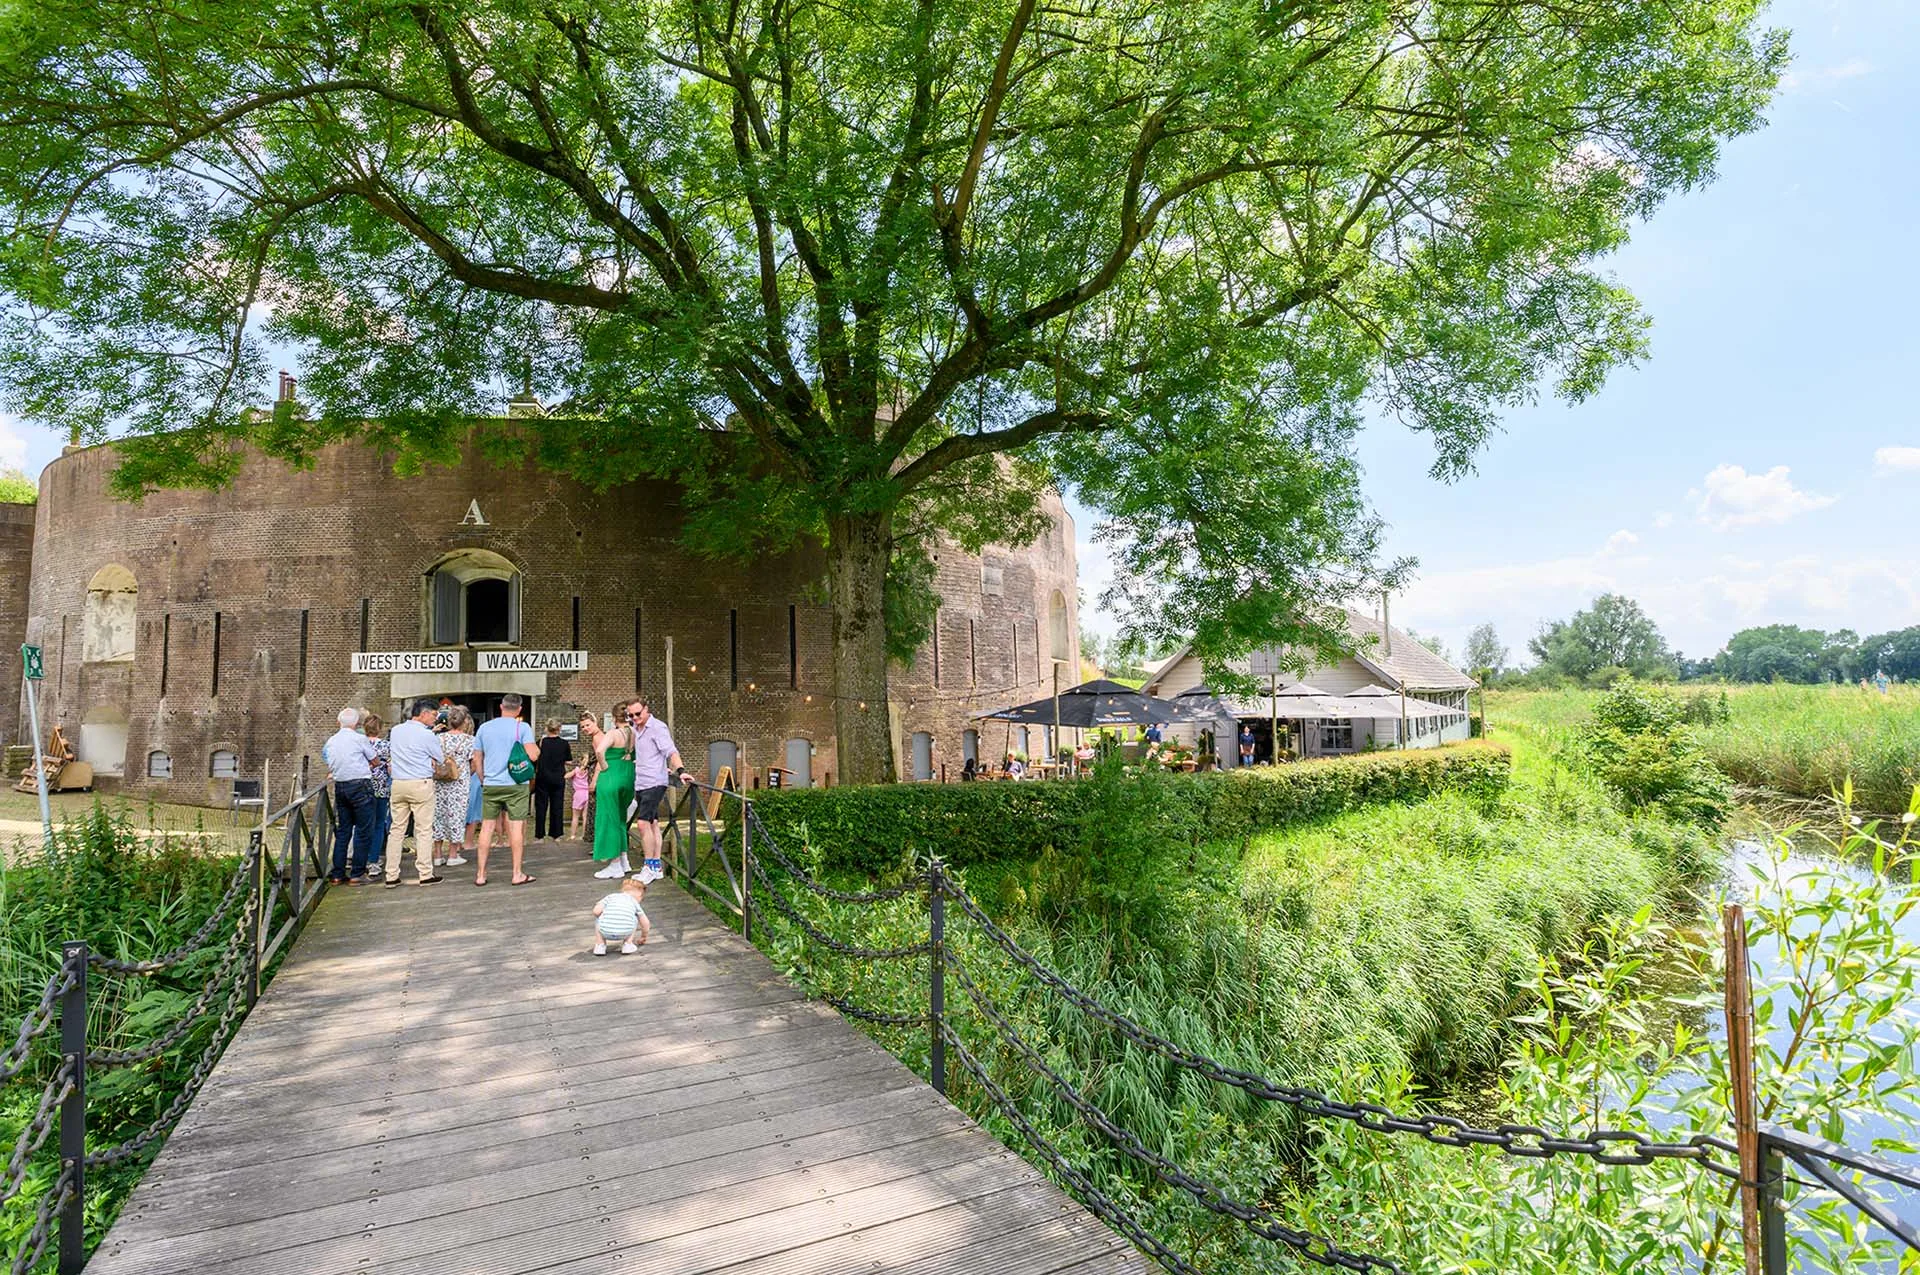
(473, 799)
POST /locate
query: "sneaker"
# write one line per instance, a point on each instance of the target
(610, 872)
(376, 869)
(600, 949)
(651, 871)
(392, 883)
(458, 860)
(435, 879)
(628, 948)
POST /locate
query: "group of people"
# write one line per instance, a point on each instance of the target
(458, 787)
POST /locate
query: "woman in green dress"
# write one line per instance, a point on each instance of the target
(612, 796)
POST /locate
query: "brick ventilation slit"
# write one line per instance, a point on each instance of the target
(304, 617)
(166, 650)
(973, 652)
(733, 650)
(936, 646)
(793, 646)
(216, 654)
(576, 625)
(366, 618)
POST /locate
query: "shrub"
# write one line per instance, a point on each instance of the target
(1640, 746)
(871, 829)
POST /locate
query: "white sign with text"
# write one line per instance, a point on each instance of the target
(406, 661)
(533, 661)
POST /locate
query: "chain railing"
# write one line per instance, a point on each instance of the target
(259, 889)
(769, 875)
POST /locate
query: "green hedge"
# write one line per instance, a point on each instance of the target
(872, 828)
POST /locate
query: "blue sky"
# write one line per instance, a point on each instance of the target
(1764, 464)
(1731, 478)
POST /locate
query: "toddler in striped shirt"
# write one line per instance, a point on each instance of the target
(620, 919)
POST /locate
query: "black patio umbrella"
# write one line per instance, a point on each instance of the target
(1199, 704)
(1091, 704)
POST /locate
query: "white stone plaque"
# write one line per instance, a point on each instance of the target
(533, 661)
(406, 661)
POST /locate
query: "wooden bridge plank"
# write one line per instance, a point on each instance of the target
(443, 1080)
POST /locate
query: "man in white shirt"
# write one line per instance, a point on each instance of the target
(414, 751)
(349, 757)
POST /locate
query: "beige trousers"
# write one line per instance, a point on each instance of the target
(411, 797)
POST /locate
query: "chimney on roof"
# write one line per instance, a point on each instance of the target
(1386, 621)
(287, 386)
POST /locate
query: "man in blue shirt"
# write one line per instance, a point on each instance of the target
(500, 792)
(655, 759)
(349, 757)
(414, 750)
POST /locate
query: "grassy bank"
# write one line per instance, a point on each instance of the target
(1799, 741)
(1398, 938)
(130, 895)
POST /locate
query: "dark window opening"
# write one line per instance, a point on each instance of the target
(936, 646)
(973, 654)
(793, 646)
(304, 615)
(366, 619)
(489, 611)
(1013, 631)
(216, 653)
(576, 623)
(166, 651)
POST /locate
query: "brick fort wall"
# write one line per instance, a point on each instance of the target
(16, 569)
(251, 600)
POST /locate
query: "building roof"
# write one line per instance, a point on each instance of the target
(1411, 667)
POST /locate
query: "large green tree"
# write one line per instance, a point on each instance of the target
(870, 272)
(1611, 636)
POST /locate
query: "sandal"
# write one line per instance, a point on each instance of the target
(525, 880)
(479, 880)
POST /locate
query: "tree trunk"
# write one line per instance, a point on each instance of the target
(857, 579)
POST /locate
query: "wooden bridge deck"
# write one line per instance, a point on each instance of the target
(443, 1079)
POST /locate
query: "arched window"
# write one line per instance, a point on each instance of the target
(473, 598)
(723, 753)
(107, 635)
(159, 764)
(224, 764)
(922, 755)
(1058, 637)
(1020, 743)
(970, 746)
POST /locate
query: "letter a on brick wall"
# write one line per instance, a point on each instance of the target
(474, 517)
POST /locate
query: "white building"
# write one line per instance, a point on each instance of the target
(1383, 657)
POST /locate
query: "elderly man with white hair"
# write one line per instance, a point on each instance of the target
(349, 756)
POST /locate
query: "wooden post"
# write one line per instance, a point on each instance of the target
(669, 713)
(1746, 1123)
(1273, 726)
(937, 982)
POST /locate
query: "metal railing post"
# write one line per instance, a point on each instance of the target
(73, 1111)
(257, 886)
(937, 991)
(746, 872)
(1773, 1212)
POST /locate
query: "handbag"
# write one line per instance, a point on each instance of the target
(519, 765)
(443, 771)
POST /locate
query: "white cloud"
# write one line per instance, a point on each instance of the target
(1819, 76)
(1663, 520)
(13, 444)
(1896, 460)
(1620, 540)
(1731, 497)
(1697, 602)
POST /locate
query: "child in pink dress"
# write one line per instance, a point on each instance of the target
(581, 778)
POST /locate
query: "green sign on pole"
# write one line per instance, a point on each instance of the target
(36, 667)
